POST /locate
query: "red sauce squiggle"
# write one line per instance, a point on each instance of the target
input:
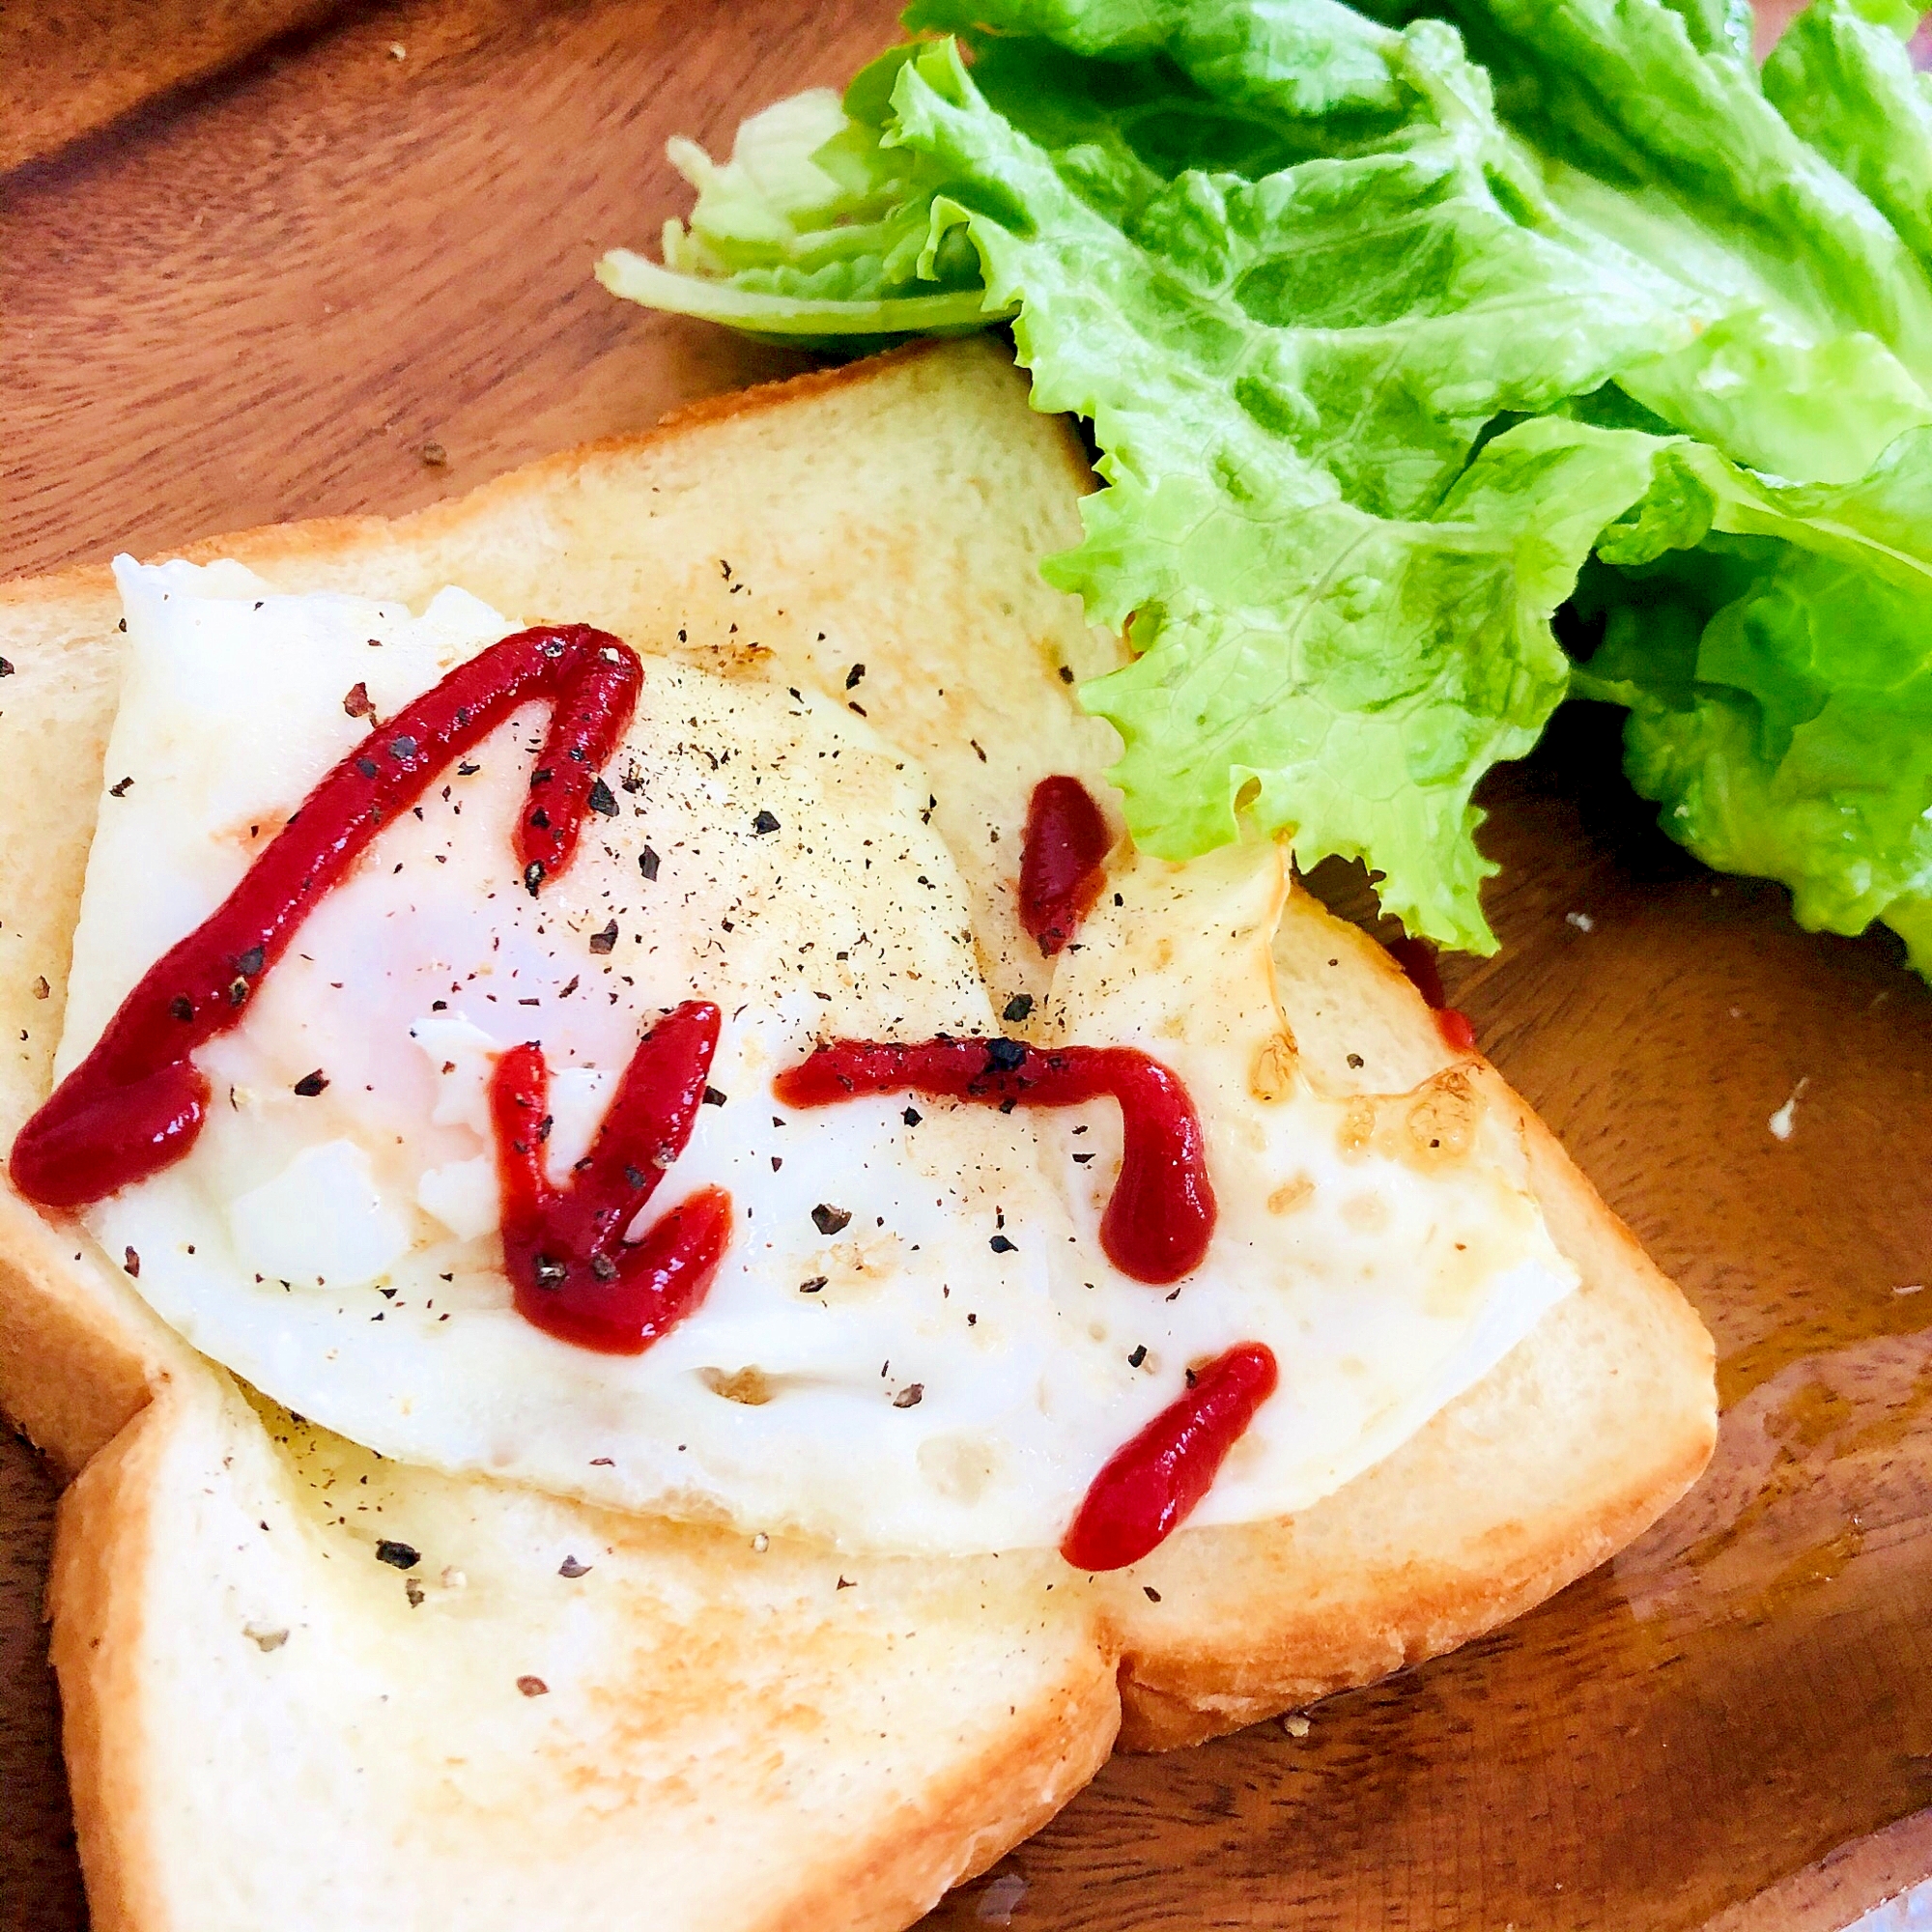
(1067, 839)
(573, 1273)
(1161, 1213)
(135, 1104)
(1150, 1485)
(1418, 958)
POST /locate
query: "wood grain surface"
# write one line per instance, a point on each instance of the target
(267, 297)
(67, 66)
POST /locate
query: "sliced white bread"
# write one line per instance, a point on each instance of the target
(552, 1718)
(893, 513)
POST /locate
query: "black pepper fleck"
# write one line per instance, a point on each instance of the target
(605, 941)
(1000, 1245)
(829, 1220)
(1019, 1007)
(311, 1083)
(603, 800)
(713, 1097)
(397, 1555)
(910, 1397)
(647, 863)
(764, 822)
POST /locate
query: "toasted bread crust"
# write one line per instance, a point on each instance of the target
(105, 1536)
(141, 1597)
(76, 1367)
(1280, 1615)
(1455, 1533)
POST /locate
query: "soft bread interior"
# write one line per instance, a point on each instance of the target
(550, 1713)
(907, 500)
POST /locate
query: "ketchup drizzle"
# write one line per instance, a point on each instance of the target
(1066, 840)
(136, 1103)
(1417, 959)
(1150, 1485)
(573, 1273)
(1161, 1213)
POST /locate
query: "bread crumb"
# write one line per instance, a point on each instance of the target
(1296, 1724)
(1581, 921)
(1784, 1120)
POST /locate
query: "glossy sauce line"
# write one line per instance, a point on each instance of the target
(1417, 959)
(1161, 1213)
(1150, 1485)
(573, 1273)
(1066, 839)
(136, 1103)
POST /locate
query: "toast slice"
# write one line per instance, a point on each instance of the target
(893, 512)
(552, 1712)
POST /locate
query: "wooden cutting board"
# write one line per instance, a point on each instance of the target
(354, 274)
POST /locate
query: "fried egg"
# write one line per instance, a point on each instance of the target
(915, 1342)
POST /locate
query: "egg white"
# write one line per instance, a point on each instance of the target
(339, 1251)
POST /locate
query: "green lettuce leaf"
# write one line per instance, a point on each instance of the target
(813, 232)
(1814, 347)
(1777, 667)
(1844, 81)
(1382, 333)
(1341, 624)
